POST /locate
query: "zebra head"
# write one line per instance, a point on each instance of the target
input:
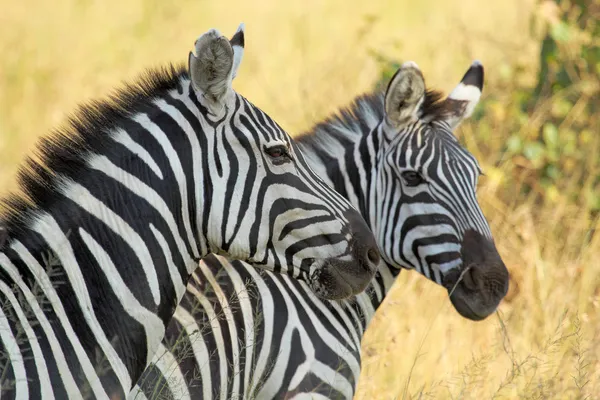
(428, 216)
(277, 214)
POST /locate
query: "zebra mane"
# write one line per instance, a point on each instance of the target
(64, 151)
(348, 124)
(364, 113)
(434, 107)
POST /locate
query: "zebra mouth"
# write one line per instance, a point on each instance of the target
(477, 287)
(475, 294)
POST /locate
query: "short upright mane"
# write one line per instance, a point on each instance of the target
(360, 117)
(434, 107)
(64, 151)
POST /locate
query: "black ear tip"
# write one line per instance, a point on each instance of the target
(474, 75)
(238, 39)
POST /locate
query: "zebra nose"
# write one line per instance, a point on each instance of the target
(366, 252)
(373, 256)
(364, 245)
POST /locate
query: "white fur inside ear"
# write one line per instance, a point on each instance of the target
(404, 95)
(464, 92)
(468, 94)
(211, 67)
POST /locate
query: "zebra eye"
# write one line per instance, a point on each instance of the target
(412, 178)
(278, 153)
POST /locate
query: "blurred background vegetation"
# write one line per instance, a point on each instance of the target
(536, 133)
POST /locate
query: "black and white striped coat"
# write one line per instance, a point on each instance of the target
(129, 198)
(246, 334)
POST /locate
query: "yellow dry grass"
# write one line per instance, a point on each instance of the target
(303, 60)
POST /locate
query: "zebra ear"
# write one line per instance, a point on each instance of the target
(237, 42)
(463, 99)
(212, 66)
(404, 94)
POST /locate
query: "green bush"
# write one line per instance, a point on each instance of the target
(547, 135)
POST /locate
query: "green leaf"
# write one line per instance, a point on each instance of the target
(550, 133)
(514, 144)
(560, 31)
(534, 151)
(553, 172)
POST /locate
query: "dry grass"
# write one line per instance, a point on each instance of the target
(303, 60)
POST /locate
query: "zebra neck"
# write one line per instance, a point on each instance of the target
(109, 244)
(376, 292)
(344, 161)
(343, 150)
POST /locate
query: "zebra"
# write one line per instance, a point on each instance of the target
(242, 333)
(125, 202)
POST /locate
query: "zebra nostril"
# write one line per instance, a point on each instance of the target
(373, 256)
(469, 279)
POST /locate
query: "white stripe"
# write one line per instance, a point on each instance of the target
(294, 322)
(309, 396)
(174, 160)
(340, 330)
(366, 306)
(61, 246)
(48, 228)
(169, 367)
(261, 369)
(38, 356)
(123, 137)
(173, 271)
(137, 394)
(354, 315)
(199, 348)
(218, 336)
(247, 312)
(196, 150)
(98, 209)
(333, 378)
(12, 350)
(153, 325)
(44, 282)
(274, 381)
(227, 310)
(327, 337)
(136, 186)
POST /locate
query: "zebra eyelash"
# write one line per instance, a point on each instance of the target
(279, 154)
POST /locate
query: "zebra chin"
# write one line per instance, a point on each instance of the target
(479, 285)
(338, 279)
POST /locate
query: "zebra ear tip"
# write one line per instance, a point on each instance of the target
(474, 76)
(238, 37)
(409, 64)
